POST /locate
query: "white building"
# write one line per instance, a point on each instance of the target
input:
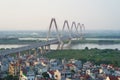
(30, 75)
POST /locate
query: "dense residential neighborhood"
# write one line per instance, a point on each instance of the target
(30, 67)
(59, 40)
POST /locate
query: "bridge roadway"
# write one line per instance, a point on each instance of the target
(34, 45)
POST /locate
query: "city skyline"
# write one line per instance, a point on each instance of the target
(36, 14)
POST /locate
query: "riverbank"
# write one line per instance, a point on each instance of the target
(74, 41)
(17, 41)
(96, 41)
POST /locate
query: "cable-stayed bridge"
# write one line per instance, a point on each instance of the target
(78, 33)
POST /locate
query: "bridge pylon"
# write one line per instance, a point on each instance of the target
(53, 21)
(66, 24)
(83, 31)
(74, 25)
(79, 28)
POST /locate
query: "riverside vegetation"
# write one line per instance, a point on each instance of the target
(97, 56)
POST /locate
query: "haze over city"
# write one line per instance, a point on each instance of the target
(36, 14)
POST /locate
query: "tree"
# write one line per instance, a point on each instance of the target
(45, 75)
(86, 48)
(11, 77)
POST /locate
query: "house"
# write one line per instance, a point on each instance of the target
(71, 66)
(41, 69)
(66, 74)
(30, 75)
(4, 67)
(84, 77)
(68, 79)
(107, 78)
(22, 76)
(78, 63)
(57, 75)
(112, 77)
(100, 71)
(87, 65)
(88, 72)
(118, 77)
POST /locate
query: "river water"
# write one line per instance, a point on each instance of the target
(75, 46)
(103, 46)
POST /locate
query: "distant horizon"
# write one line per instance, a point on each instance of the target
(61, 30)
(37, 14)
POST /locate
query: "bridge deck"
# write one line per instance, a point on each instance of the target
(34, 45)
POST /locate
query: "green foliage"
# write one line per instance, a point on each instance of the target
(107, 56)
(72, 71)
(86, 48)
(45, 75)
(10, 77)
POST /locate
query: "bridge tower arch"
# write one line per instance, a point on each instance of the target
(56, 27)
(74, 25)
(83, 31)
(66, 24)
(53, 21)
(79, 28)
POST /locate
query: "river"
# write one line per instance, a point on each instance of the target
(75, 46)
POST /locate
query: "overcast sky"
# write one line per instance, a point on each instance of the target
(36, 14)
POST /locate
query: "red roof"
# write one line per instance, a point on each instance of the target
(69, 64)
(51, 72)
(113, 78)
(85, 76)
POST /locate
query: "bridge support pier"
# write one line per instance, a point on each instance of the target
(69, 43)
(48, 48)
(36, 52)
(42, 50)
(60, 45)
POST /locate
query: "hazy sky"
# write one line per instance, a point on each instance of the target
(36, 14)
